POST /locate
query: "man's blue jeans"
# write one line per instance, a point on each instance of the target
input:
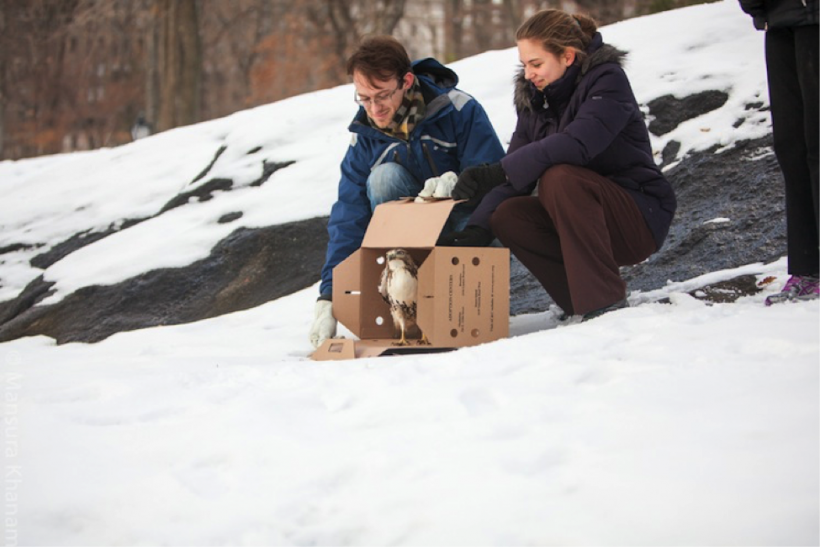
(391, 181)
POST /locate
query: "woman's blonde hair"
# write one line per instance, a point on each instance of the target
(557, 30)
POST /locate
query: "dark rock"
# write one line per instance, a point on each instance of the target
(669, 111)
(207, 169)
(729, 290)
(268, 169)
(14, 247)
(230, 217)
(76, 242)
(31, 295)
(731, 185)
(246, 269)
(670, 153)
(202, 193)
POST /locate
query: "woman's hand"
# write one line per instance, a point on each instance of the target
(476, 182)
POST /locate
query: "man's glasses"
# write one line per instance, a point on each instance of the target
(381, 98)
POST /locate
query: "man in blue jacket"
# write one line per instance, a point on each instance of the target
(412, 124)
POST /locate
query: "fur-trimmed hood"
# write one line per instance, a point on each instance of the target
(599, 53)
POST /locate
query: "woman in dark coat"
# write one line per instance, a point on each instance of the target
(601, 200)
(792, 69)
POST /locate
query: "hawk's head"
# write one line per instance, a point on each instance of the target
(398, 254)
(399, 258)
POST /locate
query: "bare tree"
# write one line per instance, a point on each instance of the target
(453, 30)
(32, 48)
(3, 100)
(348, 21)
(515, 12)
(603, 11)
(233, 44)
(180, 62)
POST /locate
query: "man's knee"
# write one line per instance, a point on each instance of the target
(387, 182)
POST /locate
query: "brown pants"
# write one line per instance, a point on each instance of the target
(574, 235)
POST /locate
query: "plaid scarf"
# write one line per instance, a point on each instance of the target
(409, 113)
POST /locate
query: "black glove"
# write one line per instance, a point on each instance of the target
(471, 236)
(476, 182)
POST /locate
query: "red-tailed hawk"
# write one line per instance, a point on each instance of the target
(398, 287)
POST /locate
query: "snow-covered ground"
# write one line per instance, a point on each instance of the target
(681, 423)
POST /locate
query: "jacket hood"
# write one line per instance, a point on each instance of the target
(599, 53)
(438, 74)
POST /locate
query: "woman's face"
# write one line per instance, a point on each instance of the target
(540, 66)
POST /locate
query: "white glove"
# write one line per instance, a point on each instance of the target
(429, 187)
(438, 187)
(324, 324)
(446, 182)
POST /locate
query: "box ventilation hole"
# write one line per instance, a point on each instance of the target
(454, 333)
(380, 320)
(380, 260)
(476, 261)
(475, 333)
(455, 261)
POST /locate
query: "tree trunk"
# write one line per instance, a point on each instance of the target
(452, 30)
(514, 14)
(190, 62)
(179, 61)
(2, 80)
(152, 39)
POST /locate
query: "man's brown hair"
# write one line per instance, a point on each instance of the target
(379, 58)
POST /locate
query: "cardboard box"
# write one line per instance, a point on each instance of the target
(463, 292)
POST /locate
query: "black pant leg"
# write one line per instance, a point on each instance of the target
(807, 47)
(792, 75)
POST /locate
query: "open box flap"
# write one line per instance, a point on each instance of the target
(339, 349)
(347, 286)
(404, 223)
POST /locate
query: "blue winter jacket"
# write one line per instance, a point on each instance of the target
(455, 133)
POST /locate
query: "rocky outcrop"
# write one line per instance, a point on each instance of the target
(730, 213)
(246, 269)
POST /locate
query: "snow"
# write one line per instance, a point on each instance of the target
(678, 423)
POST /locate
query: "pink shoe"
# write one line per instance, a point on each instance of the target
(797, 288)
(810, 288)
(789, 292)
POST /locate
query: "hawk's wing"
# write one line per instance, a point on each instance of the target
(383, 285)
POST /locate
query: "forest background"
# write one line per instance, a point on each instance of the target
(77, 74)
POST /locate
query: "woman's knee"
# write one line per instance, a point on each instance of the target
(510, 216)
(559, 184)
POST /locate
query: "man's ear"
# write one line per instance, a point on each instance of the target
(407, 81)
